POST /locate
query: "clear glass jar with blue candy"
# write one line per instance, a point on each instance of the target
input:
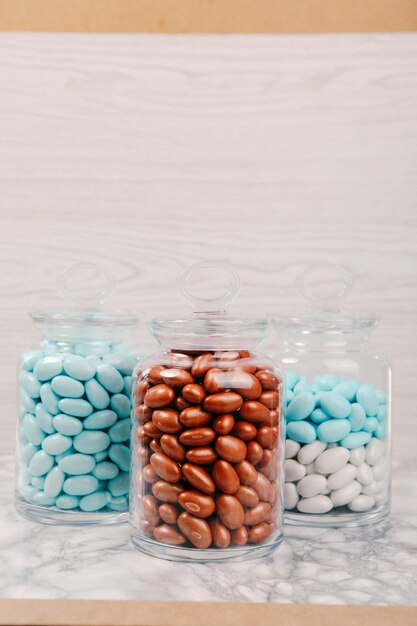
(73, 452)
(338, 407)
(207, 436)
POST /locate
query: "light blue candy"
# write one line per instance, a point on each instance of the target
(38, 482)
(382, 413)
(77, 464)
(120, 455)
(110, 378)
(67, 425)
(118, 504)
(355, 440)
(335, 405)
(32, 431)
(67, 502)
(333, 430)
(367, 397)
(56, 444)
(41, 463)
(94, 502)
(91, 442)
(67, 387)
(371, 424)
(49, 399)
(318, 416)
(28, 452)
(29, 359)
(100, 420)
(127, 385)
(75, 407)
(58, 457)
(97, 348)
(290, 395)
(381, 430)
(301, 431)
(120, 431)
(53, 482)
(100, 456)
(26, 401)
(44, 419)
(382, 396)
(121, 405)
(357, 417)
(301, 387)
(30, 384)
(119, 486)
(292, 378)
(124, 363)
(28, 491)
(48, 367)
(79, 367)
(80, 485)
(347, 389)
(96, 394)
(326, 382)
(42, 499)
(317, 397)
(105, 470)
(301, 407)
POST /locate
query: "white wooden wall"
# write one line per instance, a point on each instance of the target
(148, 153)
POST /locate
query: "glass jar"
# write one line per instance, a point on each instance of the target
(73, 454)
(207, 437)
(337, 468)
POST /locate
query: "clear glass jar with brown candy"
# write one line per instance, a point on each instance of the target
(207, 436)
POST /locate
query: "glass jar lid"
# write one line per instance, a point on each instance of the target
(325, 285)
(210, 287)
(85, 286)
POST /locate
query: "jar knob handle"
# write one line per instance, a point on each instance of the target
(86, 285)
(202, 283)
(325, 284)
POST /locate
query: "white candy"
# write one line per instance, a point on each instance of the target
(311, 485)
(379, 469)
(364, 475)
(357, 455)
(326, 491)
(310, 469)
(373, 488)
(316, 504)
(332, 460)
(293, 470)
(340, 497)
(310, 452)
(342, 477)
(374, 451)
(290, 496)
(291, 448)
(361, 503)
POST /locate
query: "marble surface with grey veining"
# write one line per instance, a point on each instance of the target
(371, 565)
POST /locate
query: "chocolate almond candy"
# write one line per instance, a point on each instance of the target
(195, 529)
(269, 465)
(194, 393)
(176, 377)
(169, 513)
(239, 536)
(159, 396)
(254, 452)
(223, 424)
(269, 399)
(247, 496)
(202, 456)
(198, 477)
(267, 379)
(221, 534)
(259, 513)
(150, 509)
(154, 374)
(202, 364)
(230, 511)
(246, 385)
(171, 446)
(197, 436)
(196, 503)
(266, 437)
(224, 402)
(194, 417)
(165, 467)
(167, 492)
(254, 411)
(246, 472)
(169, 534)
(245, 430)
(259, 533)
(167, 420)
(231, 448)
(225, 477)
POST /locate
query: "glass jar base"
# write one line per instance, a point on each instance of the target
(211, 555)
(338, 520)
(56, 517)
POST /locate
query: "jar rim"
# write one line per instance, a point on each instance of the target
(325, 322)
(92, 318)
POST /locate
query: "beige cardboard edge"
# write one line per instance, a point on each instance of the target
(209, 16)
(140, 613)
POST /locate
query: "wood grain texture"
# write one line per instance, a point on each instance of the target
(148, 153)
(208, 16)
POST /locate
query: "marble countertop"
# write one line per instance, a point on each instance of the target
(371, 565)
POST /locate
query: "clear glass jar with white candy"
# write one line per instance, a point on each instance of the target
(73, 436)
(338, 409)
(207, 436)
